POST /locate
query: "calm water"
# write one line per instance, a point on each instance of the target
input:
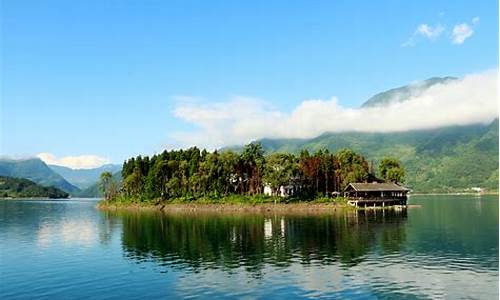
(447, 248)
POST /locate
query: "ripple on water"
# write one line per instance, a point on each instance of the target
(71, 250)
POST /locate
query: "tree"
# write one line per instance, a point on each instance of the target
(279, 171)
(108, 186)
(134, 183)
(253, 162)
(352, 167)
(195, 173)
(391, 170)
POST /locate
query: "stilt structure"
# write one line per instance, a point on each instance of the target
(376, 194)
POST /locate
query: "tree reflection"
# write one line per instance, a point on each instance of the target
(251, 241)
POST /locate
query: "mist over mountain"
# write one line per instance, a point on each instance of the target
(433, 103)
(405, 93)
(442, 159)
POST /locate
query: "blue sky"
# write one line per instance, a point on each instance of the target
(106, 78)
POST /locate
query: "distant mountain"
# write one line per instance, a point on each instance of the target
(437, 160)
(406, 92)
(37, 171)
(84, 178)
(23, 188)
(93, 190)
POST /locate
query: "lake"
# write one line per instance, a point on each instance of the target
(445, 248)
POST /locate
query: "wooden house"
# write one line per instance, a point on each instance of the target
(376, 194)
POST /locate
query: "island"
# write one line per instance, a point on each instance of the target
(187, 177)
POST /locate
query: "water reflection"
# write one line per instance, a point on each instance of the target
(446, 248)
(229, 241)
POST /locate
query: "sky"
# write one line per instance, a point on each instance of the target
(85, 83)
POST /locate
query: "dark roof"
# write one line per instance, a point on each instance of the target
(379, 187)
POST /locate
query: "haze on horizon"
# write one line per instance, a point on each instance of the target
(86, 84)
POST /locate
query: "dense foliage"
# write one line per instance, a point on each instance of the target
(195, 173)
(391, 170)
(24, 188)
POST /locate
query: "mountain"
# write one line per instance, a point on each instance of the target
(445, 159)
(84, 178)
(406, 92)
(37, 171)
(93, 190)
(24, 188)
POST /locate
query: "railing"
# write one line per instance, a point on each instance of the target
(377, 198)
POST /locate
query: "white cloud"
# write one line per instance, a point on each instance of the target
(461, 32)
(425, 31)
(74, 162)
(428, 31)
(239, 120)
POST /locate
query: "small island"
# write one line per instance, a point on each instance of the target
(229, 180)
(11, 187)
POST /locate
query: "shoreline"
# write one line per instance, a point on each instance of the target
(261, 208)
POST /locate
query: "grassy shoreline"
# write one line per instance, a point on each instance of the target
(256, 204)
(261, 208)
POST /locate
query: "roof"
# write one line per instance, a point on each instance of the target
(379, 187)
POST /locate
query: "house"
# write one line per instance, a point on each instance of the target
(376, 194)
(283, 191)
(291, 189)
(477, 189)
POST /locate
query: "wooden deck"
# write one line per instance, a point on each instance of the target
(377, 202)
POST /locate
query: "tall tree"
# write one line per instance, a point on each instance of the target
(280, 170)
(108, 186)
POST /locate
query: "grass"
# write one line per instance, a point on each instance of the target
(230, 200)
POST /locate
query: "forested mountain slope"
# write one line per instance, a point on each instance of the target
(37, 171)
(437, 160)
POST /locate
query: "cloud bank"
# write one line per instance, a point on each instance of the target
(74, 162)
(472, 99)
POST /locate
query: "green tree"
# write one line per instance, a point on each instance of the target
(392, 170)
(134, 183)
(352, 167)
(253, 162)
(108, 186)
(280, 170)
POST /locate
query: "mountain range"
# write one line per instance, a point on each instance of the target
(76, 182)
(84, 178)
(445, 159)
(37, 171)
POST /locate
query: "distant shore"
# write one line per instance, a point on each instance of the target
(455, 194)
(32, 198)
